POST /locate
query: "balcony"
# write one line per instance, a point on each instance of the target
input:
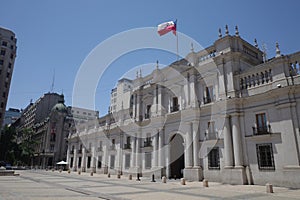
(127, 146)
(99, 149)
(263, 130)
(175, 108)
(207, 100)
(113, 147)
(148, 143)
(147, 115)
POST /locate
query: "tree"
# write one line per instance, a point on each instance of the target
(27, 145)
(9, 149)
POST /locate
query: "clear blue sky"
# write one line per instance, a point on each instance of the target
(59, 34)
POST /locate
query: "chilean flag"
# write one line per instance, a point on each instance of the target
(166, 27)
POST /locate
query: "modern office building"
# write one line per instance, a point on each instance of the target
(8, 50)
(225, 113)
(11, 115)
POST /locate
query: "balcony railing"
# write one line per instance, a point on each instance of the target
(175, 108)
(99, 149)
(207, 100)
(113, 147)
(147, 116)
(80, 151)
(127, 146)
(72, 152)
(147, 143)
(262, 130)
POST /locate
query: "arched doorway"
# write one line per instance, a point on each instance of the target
(176, 156)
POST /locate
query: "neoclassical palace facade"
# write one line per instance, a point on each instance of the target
(225, 113)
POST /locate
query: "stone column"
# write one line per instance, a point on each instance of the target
(134, 107)
(93, 159)
(189, 148)
(192, 91)
(106, 156)
(159, 96)
(155, 150)
(154, 110)
(133, 151)
(237, 143)
(83, 163)
(138, 107)
(195, 145)
(68, 157)
(228, 144)
(160, 148)
(138, 153)
(75, 159)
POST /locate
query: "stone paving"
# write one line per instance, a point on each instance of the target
(46, 185)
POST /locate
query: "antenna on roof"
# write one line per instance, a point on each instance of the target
(53, 79)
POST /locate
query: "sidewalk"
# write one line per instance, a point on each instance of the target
(46, 185)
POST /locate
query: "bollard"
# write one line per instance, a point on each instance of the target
(60, 170)
(182, 181)
(108, 175)
(79, 172)
(269, 188)
(205, 183)
(138, 177)
(92, 173)
(175, 177)
(69, 171)
(118, 176)
(53, 170)
(130, 177)
(153, 178)
(164, 179)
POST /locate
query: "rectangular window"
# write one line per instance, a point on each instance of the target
(89, 162)
(209, 95)
(71, 163)
(113, 145)
(127, 145)
(1, 62)
(4, 44)
(99, 165)
(127, 161)
(148, 142)
(148, 158)
(265, 157)
(79, 162)
(261, 124)
(147, 114)
(112, 161)
(214, 158)
(2, 53)
(51, 147)
(175, 104)
(100, 146)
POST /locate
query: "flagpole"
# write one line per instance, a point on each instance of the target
(177, 46)
(177, 41)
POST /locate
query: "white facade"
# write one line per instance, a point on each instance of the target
(120, 95)
(222, 114)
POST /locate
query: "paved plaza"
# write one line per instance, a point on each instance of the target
(42, 185)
